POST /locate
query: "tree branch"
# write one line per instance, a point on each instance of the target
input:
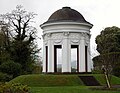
(15, 26)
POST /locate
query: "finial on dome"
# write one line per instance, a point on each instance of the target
(66, 7)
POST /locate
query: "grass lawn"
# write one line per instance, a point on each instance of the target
(41, 83)
(48, 80)
(68, 89)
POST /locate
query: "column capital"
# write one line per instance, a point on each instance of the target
(49, 34)
(66, 33)
(83, 34)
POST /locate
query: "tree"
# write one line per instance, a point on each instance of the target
(108, 46)
(108, 40)
(4, 43)
(22, 34)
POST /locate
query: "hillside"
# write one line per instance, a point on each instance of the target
(44, 80)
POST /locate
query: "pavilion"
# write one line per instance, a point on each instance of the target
(66, 29)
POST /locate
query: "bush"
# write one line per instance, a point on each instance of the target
(14, 88)
(5, 77)
(116, 71)
(97, 72)
(37, 70)
(11, 68)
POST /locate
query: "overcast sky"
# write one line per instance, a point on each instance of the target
(101, 13)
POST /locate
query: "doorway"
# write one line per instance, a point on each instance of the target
(74, 58)
(57, 58)
(46, 48)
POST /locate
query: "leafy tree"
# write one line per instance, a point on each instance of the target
(107, 41)
(22, 34)
(108, 45)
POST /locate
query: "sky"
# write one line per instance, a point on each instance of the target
(101, 13)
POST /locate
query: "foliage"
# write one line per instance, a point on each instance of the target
(108, 45)
(11, 68)
(5, 77)
(4, 44)
(109, 60)
(116, 71)
(14, 88)
(17, 43)
(37, 69)
(21, 53)
(108, 40)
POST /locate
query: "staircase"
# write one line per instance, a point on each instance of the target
(89, 81)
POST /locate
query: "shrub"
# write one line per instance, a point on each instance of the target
(116, 71)
(11, 68)
(5, 77)
(14, 88)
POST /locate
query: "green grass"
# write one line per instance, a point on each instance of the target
(43, 80)
(68, 89)
(48, 80)
(42, 83)
(101, 78)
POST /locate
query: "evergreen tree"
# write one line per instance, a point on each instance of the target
(22, 48)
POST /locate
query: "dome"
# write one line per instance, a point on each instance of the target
(67, 14)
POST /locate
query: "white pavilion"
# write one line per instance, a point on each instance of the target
(66, 29)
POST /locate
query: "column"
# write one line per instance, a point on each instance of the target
(50, 56)
(89, 59)
(44, 58)
(66, 55)
(82, 55)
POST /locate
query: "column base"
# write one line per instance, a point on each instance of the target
(60, 73)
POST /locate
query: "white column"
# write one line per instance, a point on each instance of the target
(89, 58)
(80, 58)
(44, 58)
(82, 55)
(66, 55)
(50, 56)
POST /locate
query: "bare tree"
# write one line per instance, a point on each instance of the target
(19, 23)
(22, 34)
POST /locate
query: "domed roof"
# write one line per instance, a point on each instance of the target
(66, 14)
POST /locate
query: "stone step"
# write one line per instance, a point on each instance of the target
(89, 81)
